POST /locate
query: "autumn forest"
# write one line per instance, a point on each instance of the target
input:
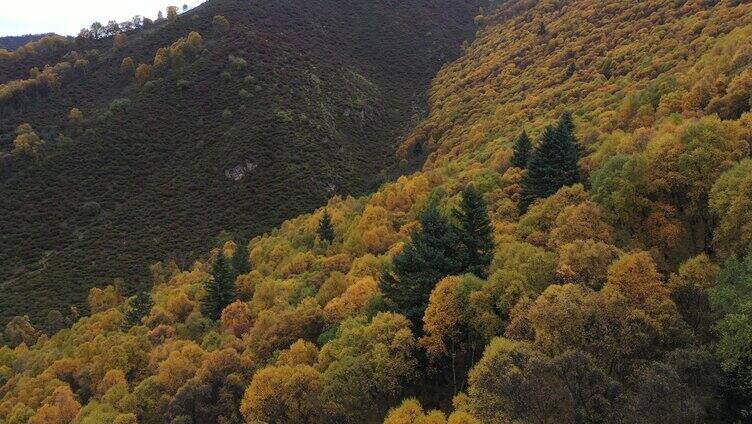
(400, 212)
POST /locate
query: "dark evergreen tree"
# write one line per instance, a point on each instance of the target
(240, 262)
(571, 69)
(542, 29)
(607, 68)
(522, 149)
(140, 306)
(220, 289)
(432, 254)
(475, 232)
(326, 230)
(565, 128)
(553, 164)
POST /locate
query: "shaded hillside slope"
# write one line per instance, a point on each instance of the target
(296, 101)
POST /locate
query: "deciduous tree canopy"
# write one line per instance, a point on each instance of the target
(601, 275)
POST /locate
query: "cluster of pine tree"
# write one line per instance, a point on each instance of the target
(220, 289)
(439, 249)
(553, 164)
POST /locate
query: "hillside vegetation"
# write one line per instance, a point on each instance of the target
(233, 116)
(576, 249)
(12, 42)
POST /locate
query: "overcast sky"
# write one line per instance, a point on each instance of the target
(67, 17)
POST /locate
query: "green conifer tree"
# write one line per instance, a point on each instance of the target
(240, 263)
(432, 254)
(553, 164)
(607, 68)
(326, 230)
(542, 29)
(522, 149)
(565, 128)
(569, 73)
(139, 306)
(475, 232)
(220, 289)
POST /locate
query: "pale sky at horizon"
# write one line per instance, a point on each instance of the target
(20, 17)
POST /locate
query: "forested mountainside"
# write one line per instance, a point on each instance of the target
(576, 249)
(13, 42)
(126, 147)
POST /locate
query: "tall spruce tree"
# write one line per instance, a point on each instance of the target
(326, 230)
(542, 29)
(607, 68)
(522, 147)
(553, 164)
(565, 129)
(240, 262)
(220, 289)
(571, 69)
(475, 232)
(431, 255)
(139, 306)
